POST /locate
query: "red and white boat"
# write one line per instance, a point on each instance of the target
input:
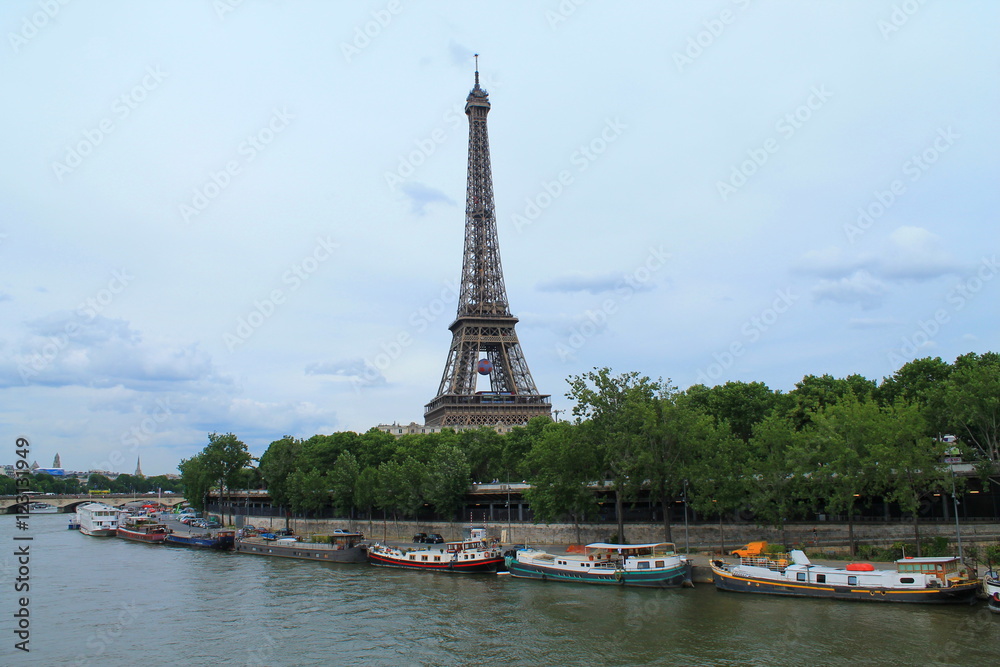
(143, 529)
(474, 555)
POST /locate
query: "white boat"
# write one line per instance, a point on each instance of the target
(991, 586)
(656, 564)
(926, 580)
(98, 519)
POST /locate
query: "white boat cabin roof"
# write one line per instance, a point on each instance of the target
(657, 546)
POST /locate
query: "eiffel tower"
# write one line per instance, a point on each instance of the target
(483, 342)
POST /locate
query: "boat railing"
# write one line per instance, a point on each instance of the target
(776, 561)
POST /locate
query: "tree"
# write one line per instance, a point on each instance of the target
(680, 429)
(277, 463)
(197, 481)
(309, 491)
(846, 437)
(717, 477)
(618, 415)
(776, 487)
(343, 480)
(563, 466)
(742, 405)
(223, 457)
(971, 401)
(915, 381)
(447, 479)
(483, 447)
(815, 392)
(366, 492)
(98, 482)
(909, 462)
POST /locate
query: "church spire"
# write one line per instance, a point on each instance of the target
(138, 468)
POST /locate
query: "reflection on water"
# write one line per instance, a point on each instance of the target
(104, 601)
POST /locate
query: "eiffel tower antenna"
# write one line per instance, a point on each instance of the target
(483, 338)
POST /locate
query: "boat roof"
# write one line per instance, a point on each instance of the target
(650, 545)
(928, 559)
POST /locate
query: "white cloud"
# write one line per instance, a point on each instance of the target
(858, 288)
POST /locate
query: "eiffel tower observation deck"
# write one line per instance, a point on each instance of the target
(484, 343)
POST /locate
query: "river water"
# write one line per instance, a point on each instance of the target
(105, 601)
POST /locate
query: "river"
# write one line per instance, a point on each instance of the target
(105, 601)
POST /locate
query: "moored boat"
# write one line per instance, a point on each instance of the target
(74, 522)
(473, 555)
(991, 586)
(652, 565)
(343, 547)
(143, 529)
(219, 540)
(923, 580)
(98, 520)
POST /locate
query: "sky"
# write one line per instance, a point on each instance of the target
(247, 217)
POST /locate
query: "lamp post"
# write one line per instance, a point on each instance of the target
(687, 544)
(954, 499)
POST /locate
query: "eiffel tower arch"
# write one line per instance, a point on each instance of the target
(483, 338)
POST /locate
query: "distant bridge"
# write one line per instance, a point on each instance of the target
(67, 504)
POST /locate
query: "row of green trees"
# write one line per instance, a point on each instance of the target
(46, 483)
(377, 471)
(826, 446)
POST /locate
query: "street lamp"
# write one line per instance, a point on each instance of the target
(954, 499)
(687, 544)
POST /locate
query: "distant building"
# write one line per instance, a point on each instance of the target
(414, 428)
(56, 463)
(138, 468)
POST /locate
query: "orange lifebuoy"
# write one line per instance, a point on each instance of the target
(590, 557)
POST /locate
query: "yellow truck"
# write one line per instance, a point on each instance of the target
(752, 550)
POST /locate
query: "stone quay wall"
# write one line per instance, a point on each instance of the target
(704, 537)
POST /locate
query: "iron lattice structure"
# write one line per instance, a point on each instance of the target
(484, 327)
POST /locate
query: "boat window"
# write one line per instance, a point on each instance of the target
(659, 563)
(583, 565)
(800, 576)
(906, 580)
(820, 578)
(852, 580)
(437, 558)
(643, 565)
(423, 558)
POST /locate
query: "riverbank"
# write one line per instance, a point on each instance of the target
(820, 536)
